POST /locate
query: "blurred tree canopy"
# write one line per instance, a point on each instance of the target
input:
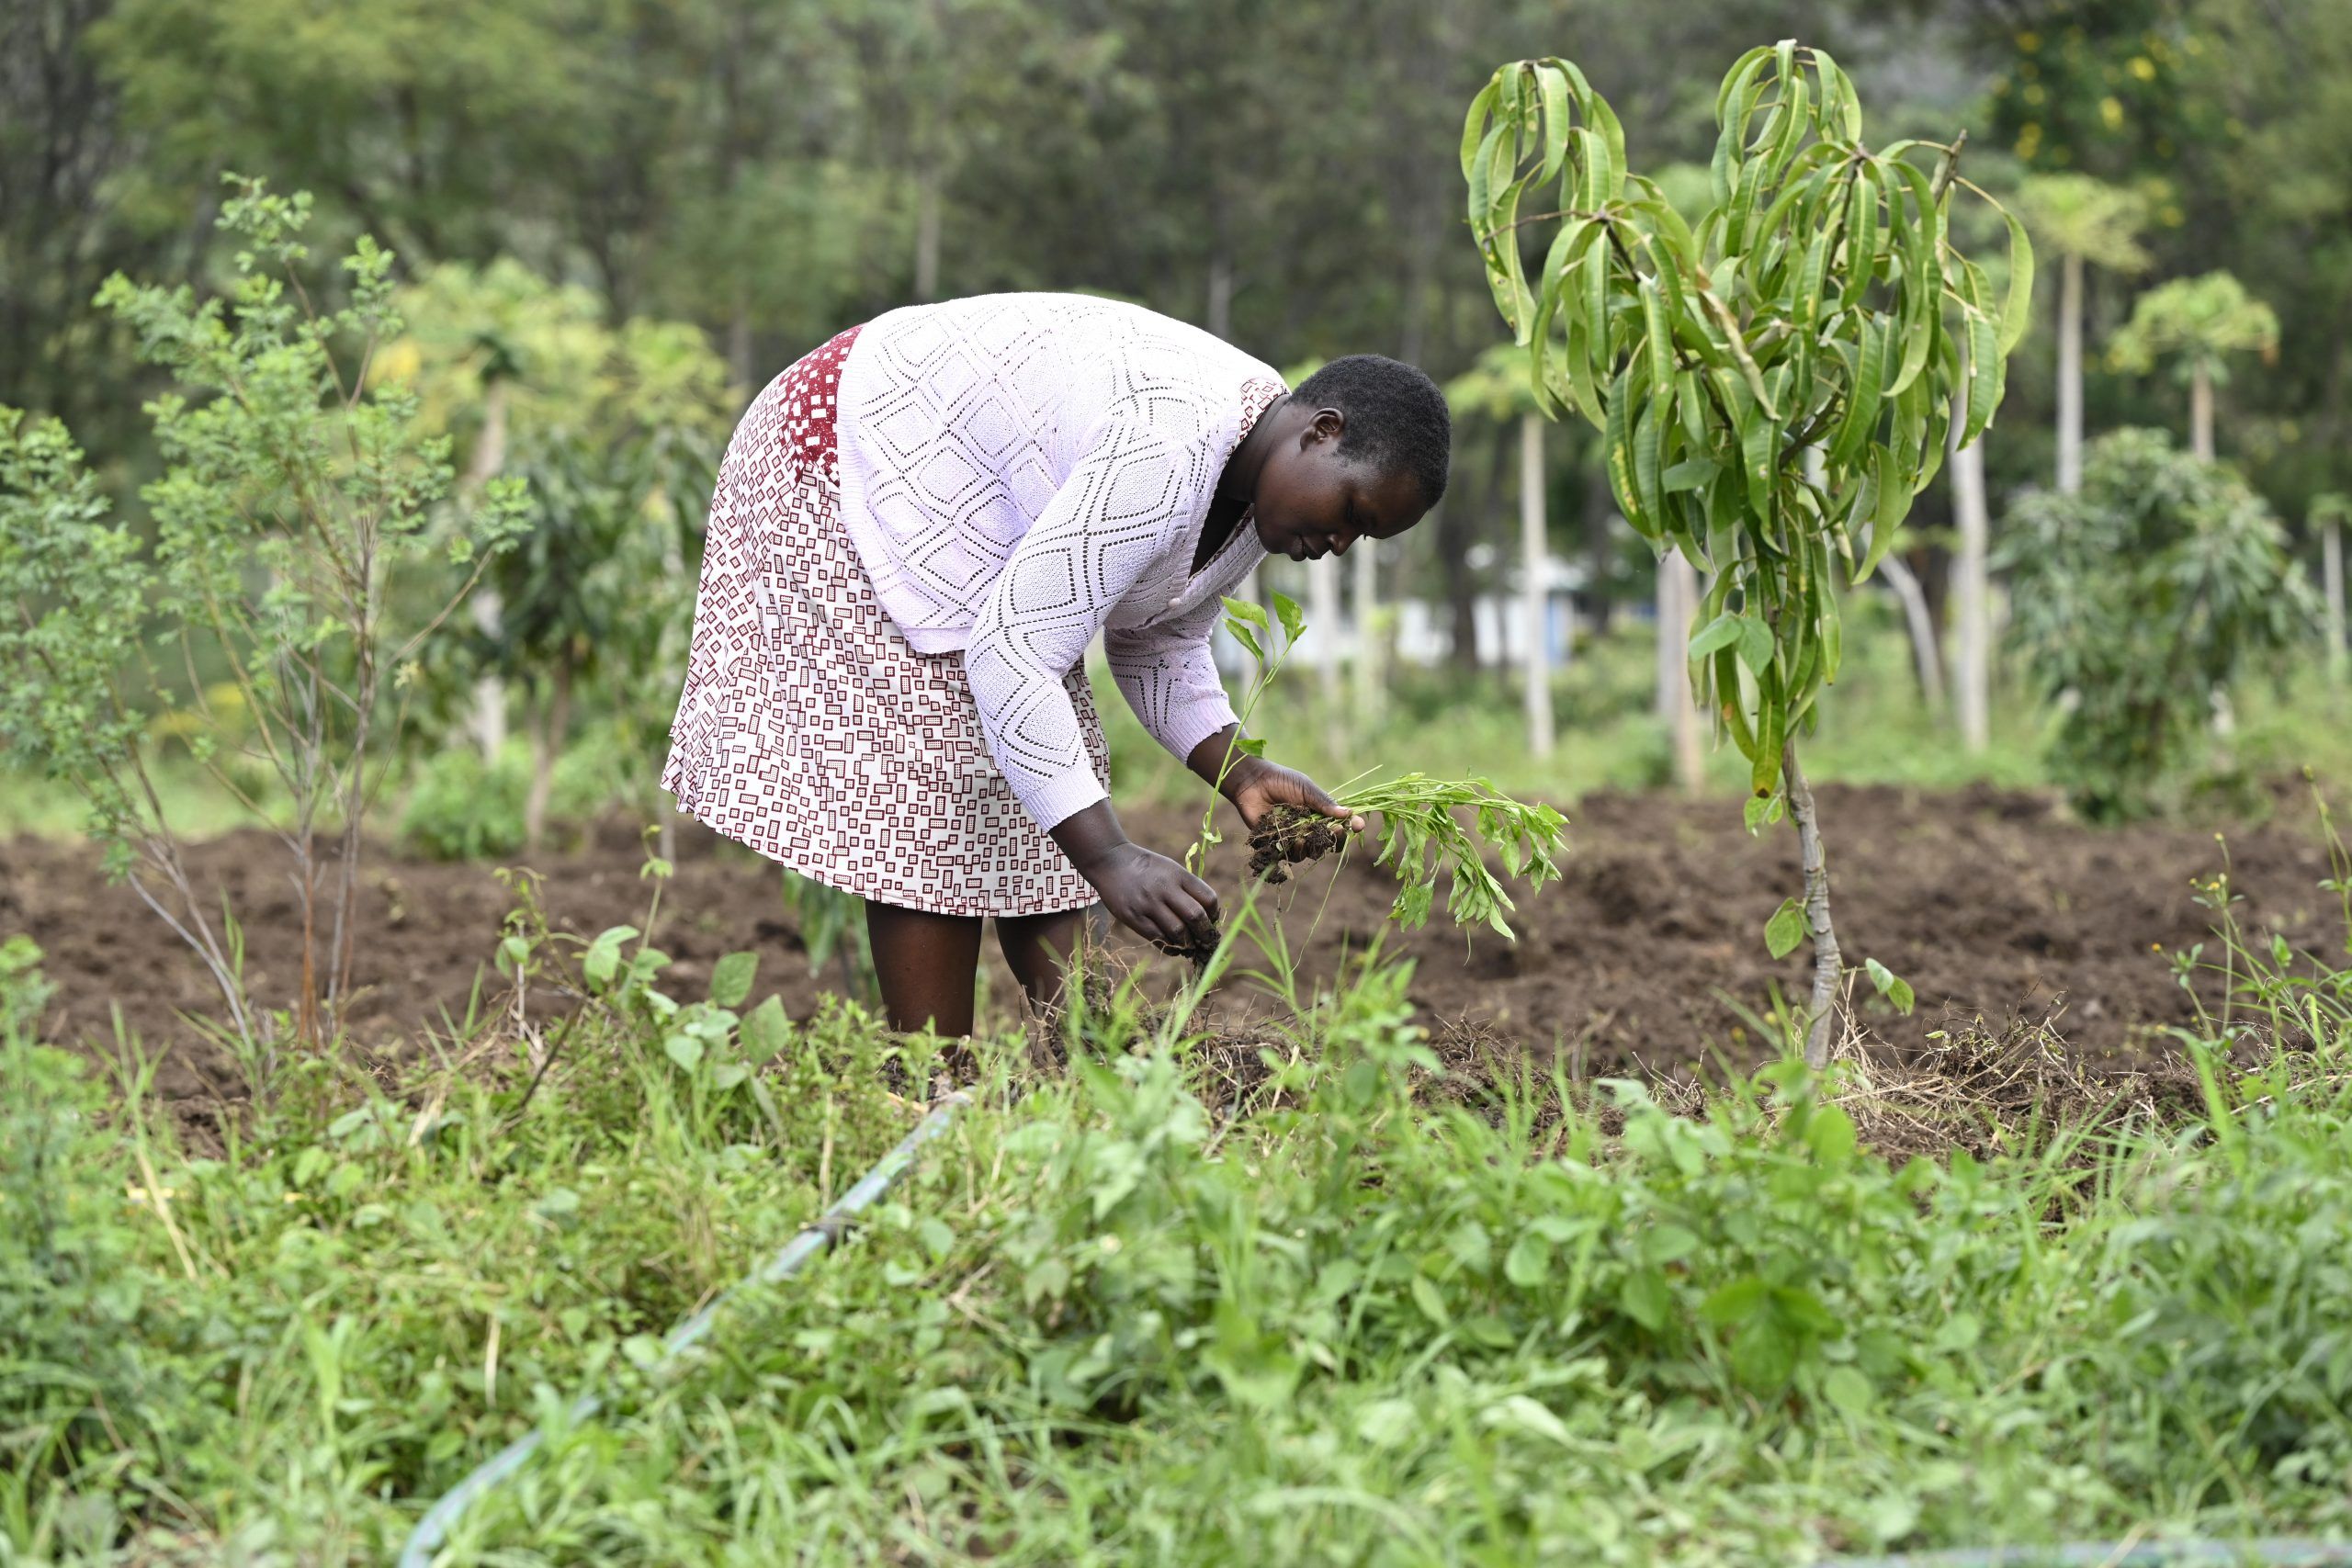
(772, 170)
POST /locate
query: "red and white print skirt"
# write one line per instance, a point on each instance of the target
(809, 728)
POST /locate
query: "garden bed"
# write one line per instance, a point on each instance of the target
(1990, 902)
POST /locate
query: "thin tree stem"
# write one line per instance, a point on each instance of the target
(1827, 964)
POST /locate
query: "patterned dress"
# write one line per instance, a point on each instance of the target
(811, 728)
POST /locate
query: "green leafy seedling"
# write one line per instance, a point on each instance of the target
(1422, 835)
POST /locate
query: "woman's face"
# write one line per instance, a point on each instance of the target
(1312, 502)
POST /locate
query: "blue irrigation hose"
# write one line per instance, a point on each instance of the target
(2279, 1551)
(813, 1239)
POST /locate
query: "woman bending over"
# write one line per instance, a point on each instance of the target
(917, 531)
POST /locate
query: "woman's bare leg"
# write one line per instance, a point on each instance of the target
(1038, 948)
(926, 964)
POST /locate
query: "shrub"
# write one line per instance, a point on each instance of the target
(2138, 600)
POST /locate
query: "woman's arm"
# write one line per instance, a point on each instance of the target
(1107, 524)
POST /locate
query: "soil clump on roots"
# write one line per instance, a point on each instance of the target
(1292, 834)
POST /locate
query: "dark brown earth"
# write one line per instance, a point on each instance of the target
(1288, 835)
(1991, 903)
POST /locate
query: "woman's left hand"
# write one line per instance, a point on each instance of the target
(1256, 786)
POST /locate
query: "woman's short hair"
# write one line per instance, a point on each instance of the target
(1397, 418)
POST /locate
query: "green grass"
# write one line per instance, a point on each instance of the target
(1362, 1323)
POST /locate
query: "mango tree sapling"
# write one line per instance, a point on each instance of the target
(1818, 304)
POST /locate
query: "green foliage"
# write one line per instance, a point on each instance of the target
(2199, 322)
(1805, 307)
(291, 494)
(74, 592)
(1102, 1313)
(616, 433)
(1420, 835)
(2079, 215)
(458, 808)
(2163, 581)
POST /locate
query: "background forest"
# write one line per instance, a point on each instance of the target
(1285, 176)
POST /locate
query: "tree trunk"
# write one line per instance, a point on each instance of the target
(2070, 375)
(1677, 600)
(1905, 583)
(1455, 527)
(738, 348)
(1365, 590)
(1323, 616)
(1969, 609)
(927, 232)
(1599, 515)
(2331, 566)
(546, 748)
(489, 690)
(1827, 963)
(2201, 413)
(1535, 596)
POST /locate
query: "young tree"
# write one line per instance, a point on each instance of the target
(2088, 222)
(616, 432)
(1364, 597)
(2200, 322)
(1812, 304)
(292, 491)
(2161, 581)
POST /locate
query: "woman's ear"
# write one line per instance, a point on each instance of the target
(1326, 425)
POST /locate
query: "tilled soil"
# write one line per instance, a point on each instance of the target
(1991, 903)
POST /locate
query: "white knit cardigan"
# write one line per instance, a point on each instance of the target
(1020, 471)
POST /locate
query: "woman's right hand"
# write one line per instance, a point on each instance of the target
(1155, 897)
(1149, 894)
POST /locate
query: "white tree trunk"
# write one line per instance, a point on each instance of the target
(1323, 617)
(927, 233)
(2070, 376)
(1905, 583)
(1365, 590)
(1970, 606)
(1535, 559)
(739, 345)
(1677, 600)
(2201, 413)
(2331, 566)
(489, 457)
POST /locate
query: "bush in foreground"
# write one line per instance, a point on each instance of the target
(1353, 1325)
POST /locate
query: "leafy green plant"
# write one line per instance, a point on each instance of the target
(2197, 323)
(617, 433)
(1421, 837)
(1804, 313)
(2160, 582)
(291, 494)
